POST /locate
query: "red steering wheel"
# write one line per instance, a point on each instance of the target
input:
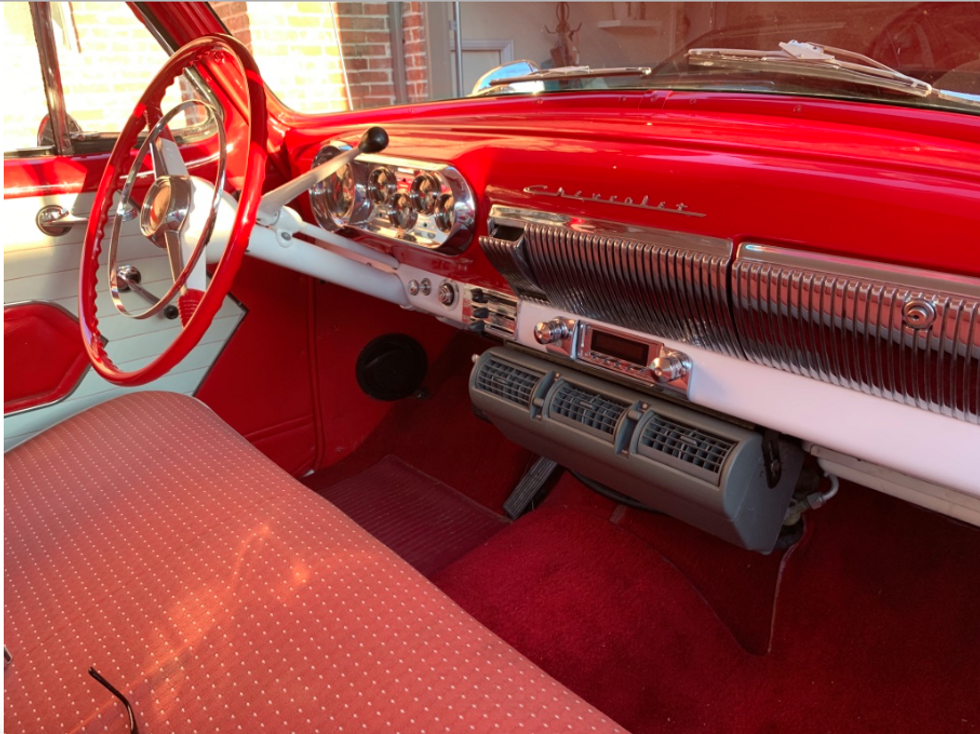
(173, 196)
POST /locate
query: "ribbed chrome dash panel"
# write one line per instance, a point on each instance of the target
(670, 284)
(892, 332)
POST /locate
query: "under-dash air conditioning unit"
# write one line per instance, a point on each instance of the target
(698, 468)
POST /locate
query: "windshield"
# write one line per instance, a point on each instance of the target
(321, 57)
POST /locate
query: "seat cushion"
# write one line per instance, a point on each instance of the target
(146, 538)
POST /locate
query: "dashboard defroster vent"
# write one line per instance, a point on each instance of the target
(589, 409)
(508, 381)
(662, 439)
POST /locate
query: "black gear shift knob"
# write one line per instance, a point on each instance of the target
(374, 140)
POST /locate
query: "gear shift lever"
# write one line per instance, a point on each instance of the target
(374, 140)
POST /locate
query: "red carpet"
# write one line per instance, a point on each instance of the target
(709, 564)
(877, 624)
(875, 615)
(605, 614)
(421, 519)
(441, 437)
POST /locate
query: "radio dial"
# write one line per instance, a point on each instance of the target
(669, 367)
(551, 332)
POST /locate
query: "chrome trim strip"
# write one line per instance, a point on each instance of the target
(647, 235)
(51, 74)
(889, 331)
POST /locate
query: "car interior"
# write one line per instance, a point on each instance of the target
(595, 398)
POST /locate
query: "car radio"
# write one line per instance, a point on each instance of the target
(637, 358)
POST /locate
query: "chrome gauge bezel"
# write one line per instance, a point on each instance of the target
(442, 219)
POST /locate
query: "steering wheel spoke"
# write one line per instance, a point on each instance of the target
(175, 253)
(165, 156)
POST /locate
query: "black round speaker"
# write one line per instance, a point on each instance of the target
(391, 367)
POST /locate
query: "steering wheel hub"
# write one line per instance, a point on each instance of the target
(165, 207)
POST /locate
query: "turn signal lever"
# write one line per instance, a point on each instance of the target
(374, 140)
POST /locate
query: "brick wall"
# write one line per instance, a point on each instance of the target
(416, 52)
(296, 46)
(107, 59)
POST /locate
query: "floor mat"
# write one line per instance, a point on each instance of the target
(426, 522)
(440, 436)
(740, 586)
(604, 613)
(875, 627)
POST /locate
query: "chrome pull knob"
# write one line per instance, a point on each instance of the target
(551, 332)
(447, 293)
(670, 366)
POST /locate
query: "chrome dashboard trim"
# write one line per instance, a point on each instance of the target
(425, 229)
(668, 284)
(889, 331)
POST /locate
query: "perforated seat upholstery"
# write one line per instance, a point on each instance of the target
(146, 538)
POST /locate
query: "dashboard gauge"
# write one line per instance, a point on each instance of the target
(340, 191)
(425, 192)
(382, 184)
(401, 212)
(444, 215)
(424, 204)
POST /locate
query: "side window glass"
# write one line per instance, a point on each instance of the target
(25, 106)
(106, 58)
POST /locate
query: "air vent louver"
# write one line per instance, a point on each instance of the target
(507, 381)
(587, 408)
(685, 444)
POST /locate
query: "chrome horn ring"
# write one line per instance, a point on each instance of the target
(166, 207)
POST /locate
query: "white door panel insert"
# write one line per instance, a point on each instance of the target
(38, 267)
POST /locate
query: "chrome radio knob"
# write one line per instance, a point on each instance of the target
(551, 332)
(670, 366)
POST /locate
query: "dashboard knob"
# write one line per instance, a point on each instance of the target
(670, 366)
(447, 293)
(551, 332)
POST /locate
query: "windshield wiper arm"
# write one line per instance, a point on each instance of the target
(572, 72)
(825, 62)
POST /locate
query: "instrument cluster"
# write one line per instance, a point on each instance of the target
(420, 203)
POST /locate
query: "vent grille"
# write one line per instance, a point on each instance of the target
(686, 444)
(507, 381)
(587, 408)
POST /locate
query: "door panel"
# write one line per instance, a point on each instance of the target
(43, 357)
(38, 267)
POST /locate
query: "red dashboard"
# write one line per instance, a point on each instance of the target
(876, 183)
